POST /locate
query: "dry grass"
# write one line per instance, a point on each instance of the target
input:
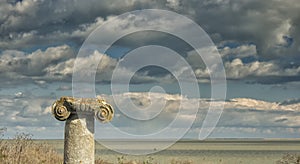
(181, 161)
(21, 149)
(289, 159)
(100, 161)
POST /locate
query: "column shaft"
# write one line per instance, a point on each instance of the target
(79, 146)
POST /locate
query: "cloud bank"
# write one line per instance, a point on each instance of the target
(264, 119)
(257, 40)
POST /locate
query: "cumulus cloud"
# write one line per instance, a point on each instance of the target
(242, 63)
(159, 110)
(27, 23)
(26, 111)
(262, 32)
(237, 69)
(173, 4)
(261, 23)
(65, 69)
(17, 64)
(143, 99)
(239, 114)
(58, 63)
(257, 40)
(239, 52)
(257, 22)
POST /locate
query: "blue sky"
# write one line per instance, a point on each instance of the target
(258, 42)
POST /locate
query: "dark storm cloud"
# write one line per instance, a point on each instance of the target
(246, 20)
(268, 29)
(257, 39)
(271, 26)
(29, 22)
(266, 23)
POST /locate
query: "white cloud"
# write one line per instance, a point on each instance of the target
(173, 4)
(240, 51)
(236, 69)
(26, 111)
(239, 115)
(58, 63)
(283, 30)
(245, 103)
(22, 65)
(242, 117)
(262, 23)
(85, 29)
(260, 28)
(65, 69)
(31, 22)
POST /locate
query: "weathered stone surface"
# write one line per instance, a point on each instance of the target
(79, 114)
(63, 107)
(79, 139)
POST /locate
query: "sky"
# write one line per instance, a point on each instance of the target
(258, 42)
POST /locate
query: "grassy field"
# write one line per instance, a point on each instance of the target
(23, 149)
(207, 152)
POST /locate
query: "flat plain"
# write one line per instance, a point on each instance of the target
(207, 152)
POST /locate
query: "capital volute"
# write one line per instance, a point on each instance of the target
(66, 106)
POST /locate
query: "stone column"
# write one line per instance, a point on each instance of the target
(79, 113)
